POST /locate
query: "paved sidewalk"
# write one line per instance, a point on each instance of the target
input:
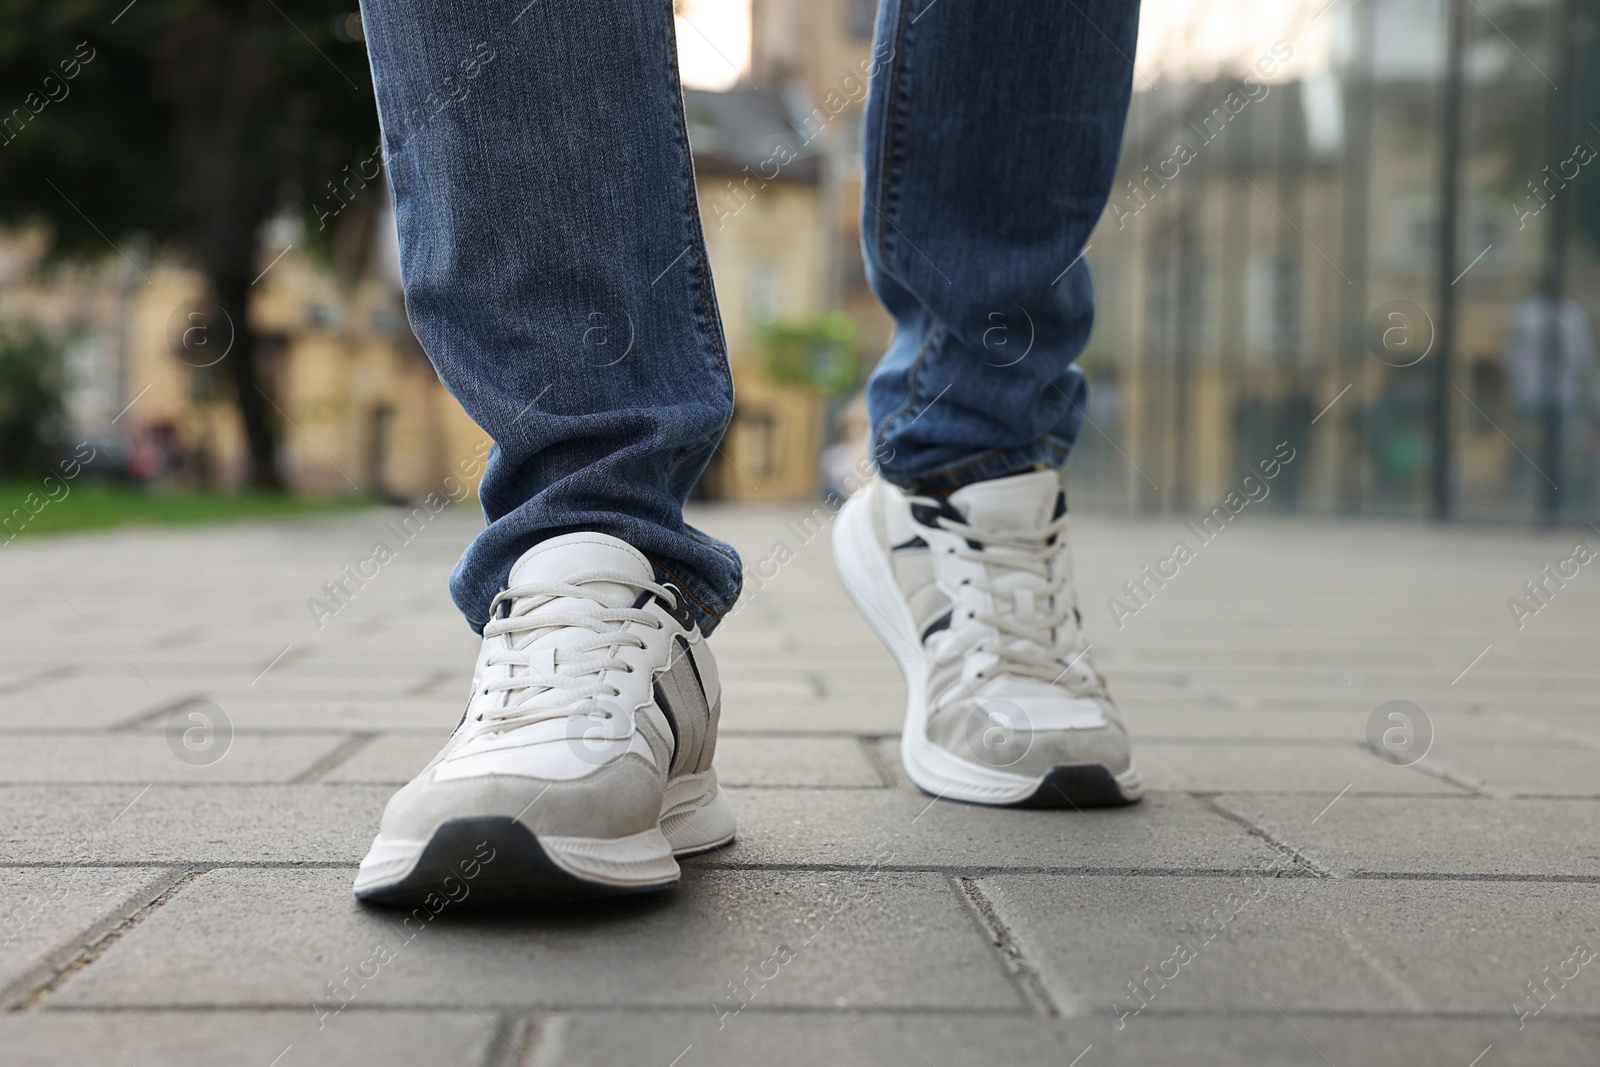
(1283, 896)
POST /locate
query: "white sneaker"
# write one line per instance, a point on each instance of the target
(973, 595)
(582, 765)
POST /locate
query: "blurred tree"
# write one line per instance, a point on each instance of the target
(31, 389)
(189, 123)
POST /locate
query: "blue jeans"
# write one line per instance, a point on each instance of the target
(556, 274)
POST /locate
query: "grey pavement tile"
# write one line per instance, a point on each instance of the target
(208, 1038)
(1175, 719)
(88, 703)
(905, 939)
(1353, 946)
(858, 1036)
(141, 757)
(45, 910)
(1543, 769)
(1574, 724)
(435, 715)
(1165, 722)
(190, 823)
(1461, 835)
(794, 761)
(392, 760)
(841, 713)
(857, 827)
(1299, 768)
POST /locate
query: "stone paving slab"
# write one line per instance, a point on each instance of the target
(798, 938)
(1248, 681)
(1541, 769)
(1317, 769)
(202, 824)
(434, 715)
(1460, 836)
(835, 713)
(143, 758)
(862, 1037)
(60, 1035)
(1129, 947)
(1175, 720)
(813, 827)
(47, 913)
(87, 703)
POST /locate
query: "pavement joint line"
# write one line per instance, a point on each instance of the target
(153, 715)
(34, 987)
(1479, 788)
(332, 760)
(1280, 846)
(1021, 973)
(431, 680)
(494, 1052)
(518, 1050)
(878, 761)
(37, 678)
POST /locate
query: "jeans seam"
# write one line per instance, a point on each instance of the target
(911, 388)
(705, 312)
(889, 139)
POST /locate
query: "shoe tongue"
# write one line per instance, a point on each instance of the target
(1020, 503)
(562, 558)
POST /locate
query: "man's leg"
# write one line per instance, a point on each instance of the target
(992, 139)
(555, 273)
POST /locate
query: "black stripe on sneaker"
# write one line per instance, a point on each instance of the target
(926, 511)
(941, 623)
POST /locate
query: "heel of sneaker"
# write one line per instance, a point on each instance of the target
(696, 815)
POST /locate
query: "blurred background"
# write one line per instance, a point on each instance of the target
(1375, 217)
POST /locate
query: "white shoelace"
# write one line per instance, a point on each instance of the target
(1035, 643)
(553, 682)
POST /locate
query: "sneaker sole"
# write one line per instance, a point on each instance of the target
(868, 577)
(511, 865)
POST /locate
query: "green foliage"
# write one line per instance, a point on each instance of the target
(31, 390)
(183, 120)
(816, 353)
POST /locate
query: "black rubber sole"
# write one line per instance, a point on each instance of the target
(1082, 785)
(491, 862)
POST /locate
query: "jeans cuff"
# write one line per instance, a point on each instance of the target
(1046, 450)
(708, 609)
